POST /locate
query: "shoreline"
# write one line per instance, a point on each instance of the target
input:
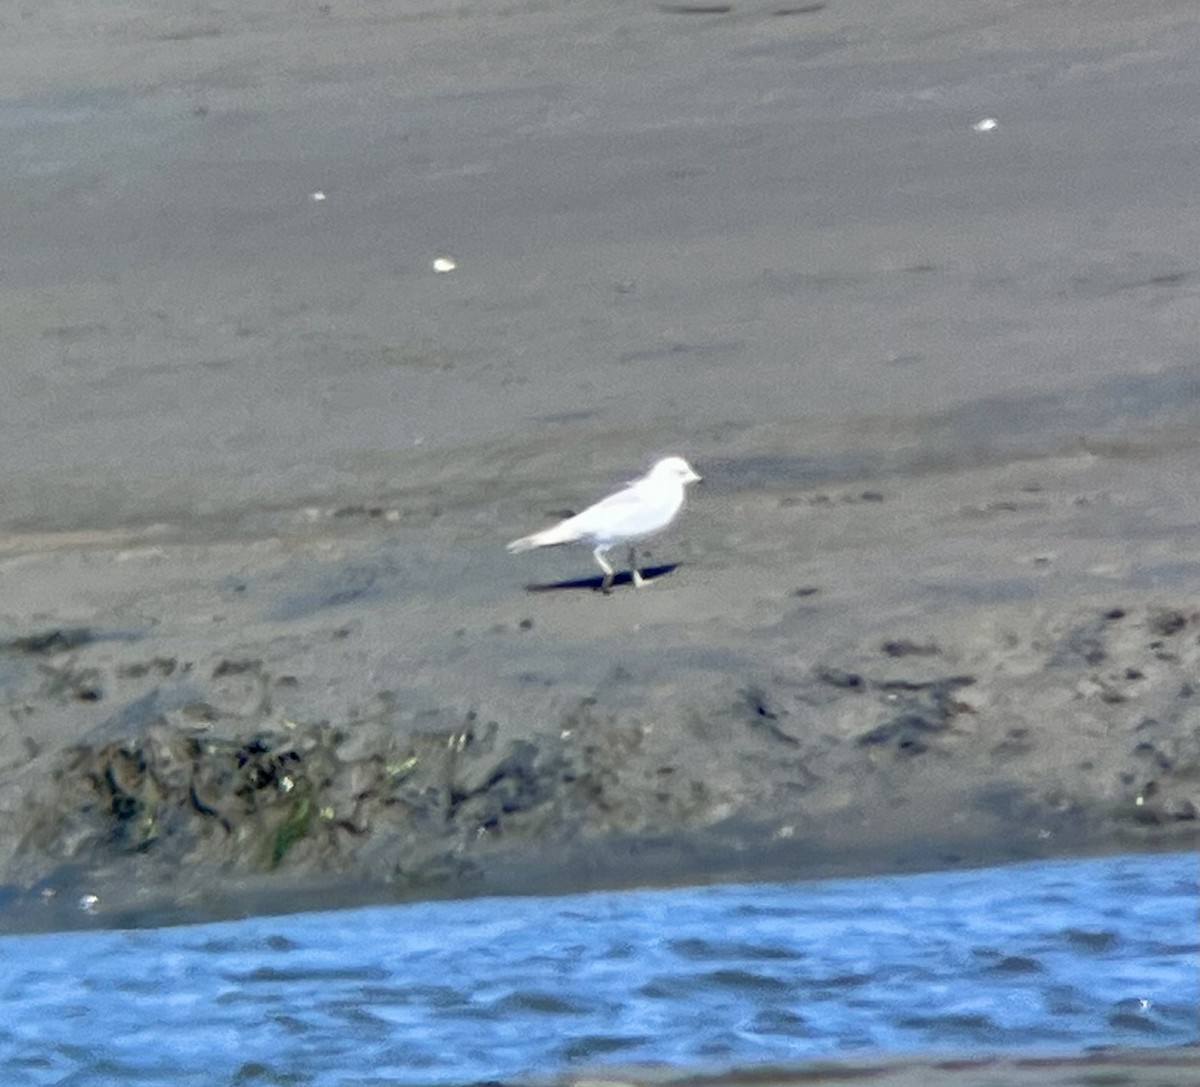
(169, 776)
(1122, 1067)
(935, 598)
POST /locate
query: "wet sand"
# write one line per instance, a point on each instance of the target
(1119, 1067)
(934, 604)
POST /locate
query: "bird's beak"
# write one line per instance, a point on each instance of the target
(694, 477)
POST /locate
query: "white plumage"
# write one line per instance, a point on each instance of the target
(640, 511)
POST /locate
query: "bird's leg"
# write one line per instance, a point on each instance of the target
(602, 562)
(638, 580)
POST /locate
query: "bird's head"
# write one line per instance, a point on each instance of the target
(675, 468)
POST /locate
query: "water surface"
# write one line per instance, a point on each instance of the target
(1054, 955)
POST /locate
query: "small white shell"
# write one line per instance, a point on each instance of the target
(988, 124)
(444, 264)
(318, 197)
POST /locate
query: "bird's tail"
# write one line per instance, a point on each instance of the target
(548, 537)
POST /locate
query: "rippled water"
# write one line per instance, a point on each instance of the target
(1058, 955)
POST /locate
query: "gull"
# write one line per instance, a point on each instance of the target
(643, 509)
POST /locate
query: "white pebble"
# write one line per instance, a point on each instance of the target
(988, 124)
(88, 903)
(318, 197)
(444, 264)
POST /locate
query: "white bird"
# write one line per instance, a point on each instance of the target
(643, 509)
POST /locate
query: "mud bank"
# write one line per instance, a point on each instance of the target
(198, 787)
(934, 604)
(1120, 1067)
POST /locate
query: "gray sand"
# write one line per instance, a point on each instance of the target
(934, 603)
(1117, 1067)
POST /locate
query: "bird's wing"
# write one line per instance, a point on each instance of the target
(594, 523)
(631, 512)
(603, 513)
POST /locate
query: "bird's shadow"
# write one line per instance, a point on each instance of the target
(649, 573)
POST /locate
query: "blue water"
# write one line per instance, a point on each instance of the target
(1060, 955)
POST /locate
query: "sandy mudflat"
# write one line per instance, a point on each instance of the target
(1118, 1068)
(935, 603)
